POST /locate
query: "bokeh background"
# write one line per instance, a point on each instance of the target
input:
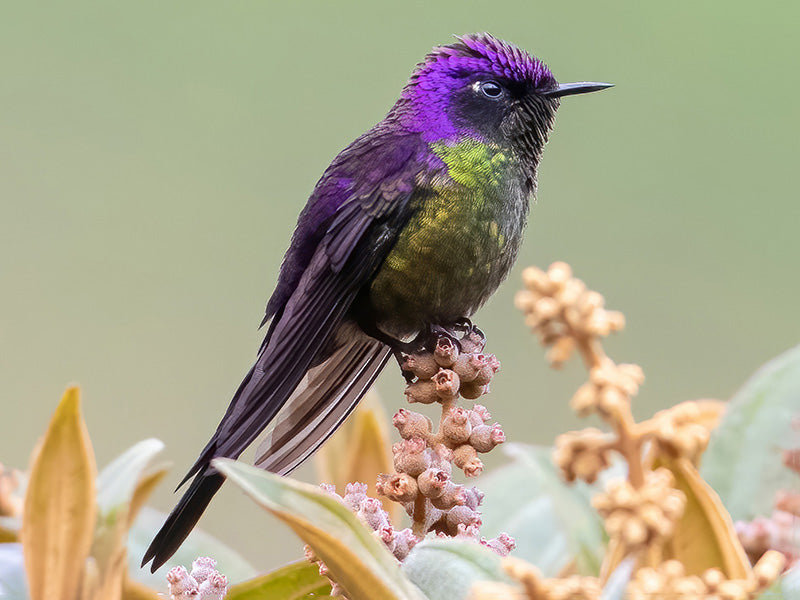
(154, 157)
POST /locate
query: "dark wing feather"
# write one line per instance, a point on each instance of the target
(316, 288)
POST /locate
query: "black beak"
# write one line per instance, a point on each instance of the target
(581, 87)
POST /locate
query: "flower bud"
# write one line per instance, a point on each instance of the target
(465, 457)
(422, 365)
(453, 495)
(411, 424)
(462, 515)
(410, 456)
(371, 512)
(182, 586)
(473, 341)
(503, 544)
(472, 390)
(423, 392)
(446, 385)
(399, 487)
(485, 437)
(473, 497)
(455, 426)
(487, 371)
(468, 365)
(354, 495)
(432, 482)
(446, 352)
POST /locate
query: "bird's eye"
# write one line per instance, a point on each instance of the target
(491, 89)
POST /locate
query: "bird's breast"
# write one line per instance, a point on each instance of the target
(457, 247)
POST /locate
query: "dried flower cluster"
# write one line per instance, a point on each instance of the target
(536, 587)
(641, 512)
(641, 516)
(424, 458)
(670, 581)
(781, 530)
(203, 583)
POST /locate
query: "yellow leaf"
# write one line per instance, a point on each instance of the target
(359, 451)
(133, 590)
(59, 516)
(704, 537)
(143, 490)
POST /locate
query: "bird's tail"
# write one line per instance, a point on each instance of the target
(322, 399)
(183, 517)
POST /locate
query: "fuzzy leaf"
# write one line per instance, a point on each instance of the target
(448, 569)
(59, 516)
(788, 585)
(13, 584)
(359, 451)
(117, 487)
(199, 543)
(298, 581)
(552, 522)
(743, 459)
(352, 553)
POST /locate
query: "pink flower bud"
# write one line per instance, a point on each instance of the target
(399, 487)
(485, 437)
(447, 384)
(446, 352)
(503, 544)
(462, 515)
(411, 424)
(202, 568)
(472, 390)
(424, 392)
(467, 366)
(488, 370)
(410, 456)
(354, 495)
(479, 415)
(473, 497)
(182, 586)
(214, 587)
(455, 426)
(472, 342)
(404, 541)
(453, 495)
(465, 457)
(432, 483)
(424, 366)
(372, 513)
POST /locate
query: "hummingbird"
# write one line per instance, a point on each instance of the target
(410, 230)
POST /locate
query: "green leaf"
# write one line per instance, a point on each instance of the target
(789, 585)
(298, 581)
(743, 459)
(552, 522)
(199, 543)
(117, 482)
(447, 569)
(13, 583)
(117, 485)
(355, 558)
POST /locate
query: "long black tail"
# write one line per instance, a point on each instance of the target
(314, 397)
(183, 517)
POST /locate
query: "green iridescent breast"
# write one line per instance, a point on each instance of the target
(460, 243)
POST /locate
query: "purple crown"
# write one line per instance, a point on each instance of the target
(482, 52)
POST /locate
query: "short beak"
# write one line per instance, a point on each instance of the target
(581, 87)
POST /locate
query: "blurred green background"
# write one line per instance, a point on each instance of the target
(154, 157)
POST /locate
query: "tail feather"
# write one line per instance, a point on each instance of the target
(323, 400)
(183, 517)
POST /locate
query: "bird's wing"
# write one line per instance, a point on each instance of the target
(327, 395)
(353, 241)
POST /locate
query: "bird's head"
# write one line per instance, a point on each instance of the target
(488, 89)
